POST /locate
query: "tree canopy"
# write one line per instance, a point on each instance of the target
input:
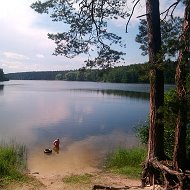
(2, 76)
(170, 33)
(88, 28)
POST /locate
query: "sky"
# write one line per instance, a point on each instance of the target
(24, 45)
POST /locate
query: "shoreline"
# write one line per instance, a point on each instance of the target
(57, 182)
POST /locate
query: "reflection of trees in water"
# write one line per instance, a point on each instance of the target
(131, 94)
(1, 88)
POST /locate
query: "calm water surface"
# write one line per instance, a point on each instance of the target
(90, 119)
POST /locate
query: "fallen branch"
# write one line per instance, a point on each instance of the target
(161, 166)
(108, 187)
(96, 187)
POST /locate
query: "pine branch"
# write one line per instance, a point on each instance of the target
(131, 14)
(173, 7)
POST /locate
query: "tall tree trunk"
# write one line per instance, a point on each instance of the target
(156, 128)
(179, 155)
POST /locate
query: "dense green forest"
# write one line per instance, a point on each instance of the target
(136, 73)
(36, 75)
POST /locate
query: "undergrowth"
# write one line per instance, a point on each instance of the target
(12, 162)
(74, 179)
(126, 161)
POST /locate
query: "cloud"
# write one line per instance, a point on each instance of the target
(14, 56)
(26, 46)
(22, 38)
(40, 56)
(24, 35)
(14, 62)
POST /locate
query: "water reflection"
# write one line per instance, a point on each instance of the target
(88, 121)
(92, 118)
(56, 149)
(76, 114)
(1, 88)
(76, 156)
(132, 94)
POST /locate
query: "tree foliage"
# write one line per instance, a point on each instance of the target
(87, 24)
(170, 110)
(170, 33)
(2, 75)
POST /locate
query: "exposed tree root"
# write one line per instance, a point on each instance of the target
(162, 173)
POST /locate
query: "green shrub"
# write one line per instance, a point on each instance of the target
(12, 161)
(142, 133)
(126, 161)
(170, 109)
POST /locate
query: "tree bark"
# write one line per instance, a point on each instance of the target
(156, 127)
(179, 155)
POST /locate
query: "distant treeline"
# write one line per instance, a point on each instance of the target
(137, 73)
(36, 75)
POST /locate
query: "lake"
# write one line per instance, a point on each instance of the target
(90, 119)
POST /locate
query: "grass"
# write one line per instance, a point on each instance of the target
(12, 162)
(75, 179)
(126, 161)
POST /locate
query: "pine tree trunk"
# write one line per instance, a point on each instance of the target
(156, 128)
(179, 155)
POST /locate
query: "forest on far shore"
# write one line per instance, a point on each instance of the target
(136, 73)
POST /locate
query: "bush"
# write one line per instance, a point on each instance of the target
(12, 161)
(126, 161)
(170, 108)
